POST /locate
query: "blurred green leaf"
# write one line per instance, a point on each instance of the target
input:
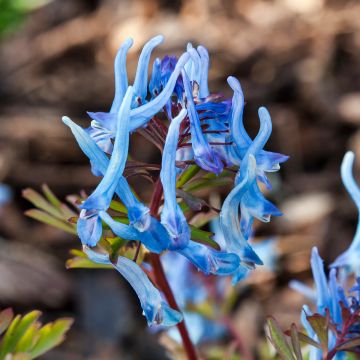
(295, 342)
(51, 197)
(118, 206)
(41, 203)
(278, 340)
(7, 341)
(208, 184)
(50, 220)
(203, 237)
(320, 325)
(29, 338)
(80, 262)
(50, 335)
(6, 317)
(187, 175)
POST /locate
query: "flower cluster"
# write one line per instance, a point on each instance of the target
(192, 127)
(337, 305)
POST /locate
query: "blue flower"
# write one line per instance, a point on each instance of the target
(266, 161)
(329, 295)
(100, 199)
(5, 194)
(154, 308)
(350, 259)
(204, 155)
(247, 199)
(172, 216)
(203, 128)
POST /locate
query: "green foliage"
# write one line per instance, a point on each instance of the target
(25, 338)
(50, 210)
(322, 327)
(13, 12)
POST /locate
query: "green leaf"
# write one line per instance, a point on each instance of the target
(304, 338)
(278, 340)
(115, 244)
(29, 338)
(50, 335)
(6, 317)
(295, 341)
(50, 220)
(187, 175)
(15, 333)
(80, 262)
(320, 325)
(50, 196)
(118, 206)
(203, 237)
(41, 203)
(208, 184)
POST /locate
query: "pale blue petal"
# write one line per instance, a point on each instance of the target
(335, 297)
(303, 289)
(229, 219)
(121, 80)
(155, 81)
(5, 194)
(89, 227)
(100, 199)
(154, 308)
(142, 114)
(205, 156)
(196, 65)
(172, 216)
(350, 259)
(127, 232)
(141, 77)
(204, 88)
(210, 261)
(138, 213)
(322, 292)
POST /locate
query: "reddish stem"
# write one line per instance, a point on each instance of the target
(161, 279)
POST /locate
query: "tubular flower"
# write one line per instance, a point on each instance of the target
(197, 132)
(328, 296)
(154, 308)
(350, 258)
(247, 199)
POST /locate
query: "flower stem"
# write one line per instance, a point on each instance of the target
(162, 282)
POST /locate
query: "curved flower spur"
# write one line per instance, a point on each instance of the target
(200, 134)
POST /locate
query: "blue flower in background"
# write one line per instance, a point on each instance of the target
(350, 259)
(328, 295)
(175, 107)
(5, 194)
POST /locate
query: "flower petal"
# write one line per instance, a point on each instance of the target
(172, 216)
(100, 199)
(138, 213)
(141, 77)
(89, 227)
(154, 308)
(204, 155)
(121, 80)
(204, 56)
(210, 261)
(142, 114)
(155, 244)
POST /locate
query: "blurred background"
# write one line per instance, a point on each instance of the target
(301, 59)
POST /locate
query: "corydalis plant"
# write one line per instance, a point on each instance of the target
(202, 140)
(334, 328)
